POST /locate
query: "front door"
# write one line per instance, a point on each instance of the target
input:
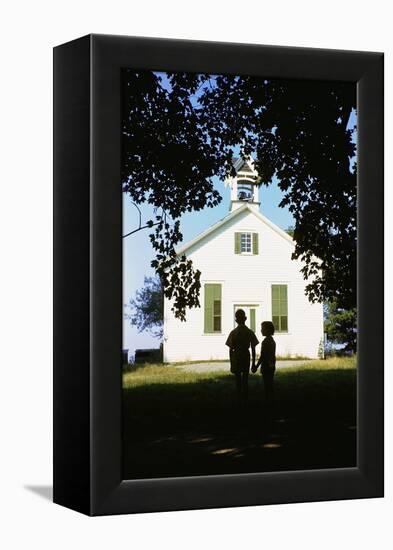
(253, 315)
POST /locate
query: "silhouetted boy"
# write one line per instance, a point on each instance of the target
(239, 342)
(267, 360)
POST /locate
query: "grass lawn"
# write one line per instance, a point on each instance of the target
(178, 423)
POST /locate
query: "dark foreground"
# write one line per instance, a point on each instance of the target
(187, 424)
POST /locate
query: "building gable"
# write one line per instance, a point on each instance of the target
(209, 233)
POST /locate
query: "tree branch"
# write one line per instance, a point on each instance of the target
(140, 222)
(139, 229)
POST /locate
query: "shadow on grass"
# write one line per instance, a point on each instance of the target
(198, 428)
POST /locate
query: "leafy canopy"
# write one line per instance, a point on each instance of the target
(181, 130)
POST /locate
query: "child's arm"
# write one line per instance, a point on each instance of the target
(253, 367)
(229, 343)
(262, 355)
(254, 343)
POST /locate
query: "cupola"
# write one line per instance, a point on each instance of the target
(243, 185)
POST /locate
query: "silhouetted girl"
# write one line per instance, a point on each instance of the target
(267, 360)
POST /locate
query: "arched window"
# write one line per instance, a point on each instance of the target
(245, 190)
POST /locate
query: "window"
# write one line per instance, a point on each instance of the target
(212, 308)
(280, 308)
(246, 243)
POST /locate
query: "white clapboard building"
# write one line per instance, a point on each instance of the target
(245, 262)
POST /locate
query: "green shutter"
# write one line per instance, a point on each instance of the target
(252, 319)
(237, 243)
(280, 307)
(208, 308)
(255, 244)
(275, 292)
(212, 308)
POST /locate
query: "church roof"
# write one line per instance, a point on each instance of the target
(243, 165)
(231, 216)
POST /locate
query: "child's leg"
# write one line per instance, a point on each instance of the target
(245, 385)
(269, 386)
(238, 379)
(268, 376)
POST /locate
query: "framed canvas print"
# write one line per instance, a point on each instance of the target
(218, 275)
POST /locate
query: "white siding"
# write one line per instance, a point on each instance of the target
(244, 279)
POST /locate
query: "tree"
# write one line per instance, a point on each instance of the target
(340, 326)
(147, 308)
(180, 131)
(298, 133)
(168, 162)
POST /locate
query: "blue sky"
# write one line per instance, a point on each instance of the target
(138, 253)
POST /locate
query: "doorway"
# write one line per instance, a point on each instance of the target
(253, 315)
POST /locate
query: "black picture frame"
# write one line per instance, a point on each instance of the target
(88, 275)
